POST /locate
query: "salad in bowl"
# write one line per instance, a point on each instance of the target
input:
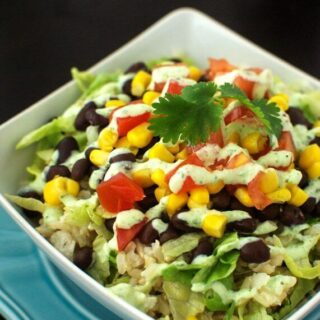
(192, 194)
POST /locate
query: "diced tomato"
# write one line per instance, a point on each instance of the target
(215, 138)
(128, 123)
(188, 184)
(159, 86)
(259, 199)
(237, 161)
(124, 236)
(219, 66)
(174, 87)
(237, 113)
(119, 193)
(245, 85)
(286, 143)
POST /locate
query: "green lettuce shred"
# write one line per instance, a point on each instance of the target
(27, 203)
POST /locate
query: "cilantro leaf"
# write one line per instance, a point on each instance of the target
(191, 116)
(267, 113)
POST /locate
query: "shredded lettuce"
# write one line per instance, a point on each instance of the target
(83, 79)
(253, 311)
(27, 203)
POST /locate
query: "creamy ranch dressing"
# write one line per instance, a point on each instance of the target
(313, 189)
(280, 158)
(159, 225)
(155, 212)
(128, 218)
(184, 82)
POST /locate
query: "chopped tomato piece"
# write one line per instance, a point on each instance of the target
(128, 123)
(219, 66)
(119, 193)
(215, 138)
(175, 88)
(237, 161)
(124, 236)
(245, 85)
(259, 199)
(159, 86)
(237, 113)
(286, 143)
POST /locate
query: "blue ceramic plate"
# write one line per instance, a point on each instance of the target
(31, 288)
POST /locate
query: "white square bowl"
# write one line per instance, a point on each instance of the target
(184, 31)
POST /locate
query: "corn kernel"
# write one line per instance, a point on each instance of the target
(159, 193)
(114, 103)
(159, 151)
(269, 181)
(98, 157)
(194, 73)
(254, 142)
(150, 96)
(174, 149)
(215, 187)
(234, 137)
(314, 170)
(182, 155)
(107, 139)
(281, 100)
(142, 178)
(316, 124)
(140, 82)
(214, 224)
(309, 155)
(158, 177)
(280, 196)
(192, 204)
(200, 195)
(243, 196)
(298, 196)
(176, 202)
(124, 143)
(57, 187)
(192, 318)
(140, 136)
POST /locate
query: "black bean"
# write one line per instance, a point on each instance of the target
(297, 117)
(57, 170)
(304, 180)
(123, 157)
(126, 88)
(92, 168)
(82, 257)
(88, 151)
(316, 140)
(96, 119)
(149, 200)
(137, 67)
(203, 78)
(142, 151)
(65, 147)
(169, 234)
(316, 211)
(165, 217)
(221, 200)
(109, 223)
(291, 215)
(188, 256)
(80, 169)
(181, 224)
(176, 60)
(236, 205)
(34, 195)
(81, 122)
(244, 226)
(309, 206)
(270, 212)
(255, 252)
(204, 247)
(148, 234)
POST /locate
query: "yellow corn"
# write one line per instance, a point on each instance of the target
(243, 196)
(234, 137)
(200, 195)
(160, 192)
(143, 178)
(158, 177)
(254, 142)
(317, 124)
(280, 196)
(215, 187)
(174, 149)
(107, 139)
(140, 136)
(161, 152)
(309, 155)
(314, 170)
(150, 96)
(192, 204)
(182, 155)
(58, 187)
(214, 224)
(114, 103)
(298, 196)
(140, 82)
(192, 318)
(281, 100)
(269, 181)
(194, 73)
(124, 143)
(176, 202)
(98, 157)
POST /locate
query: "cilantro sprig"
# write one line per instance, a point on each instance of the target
(198, 111)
